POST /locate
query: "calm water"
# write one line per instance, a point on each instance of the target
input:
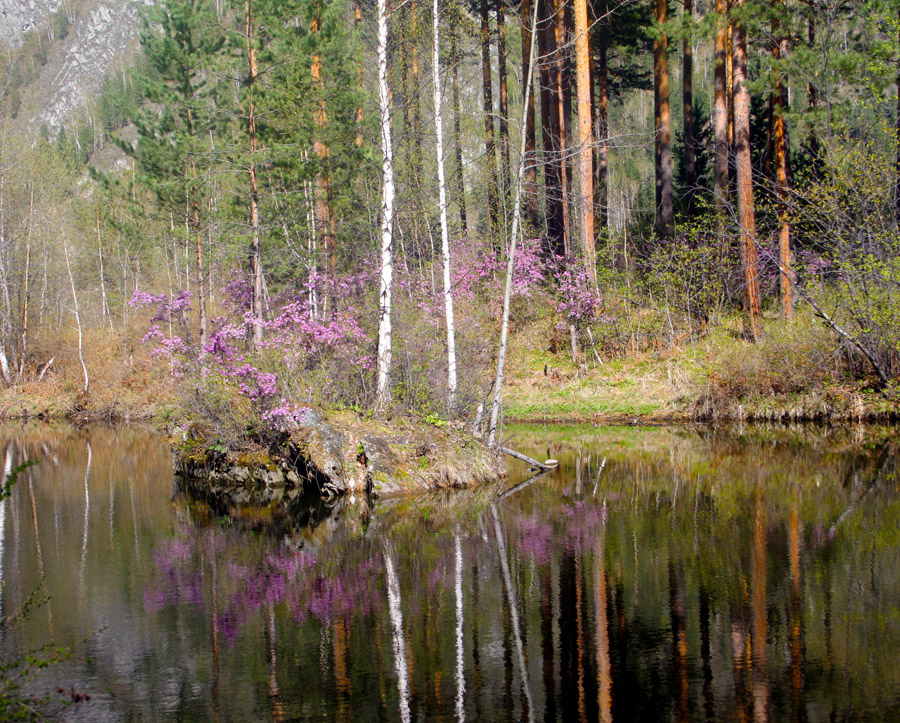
(658, 574)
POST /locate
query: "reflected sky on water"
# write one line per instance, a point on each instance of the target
(656, 574)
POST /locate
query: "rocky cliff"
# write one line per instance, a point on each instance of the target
(79, 42)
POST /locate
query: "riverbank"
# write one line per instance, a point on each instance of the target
(792, 375)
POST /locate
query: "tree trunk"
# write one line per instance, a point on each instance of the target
(103, 298)
(530, 190)
(490, 155)
(25, 291)
(77, 317)
(414, 108)
(4, 364)
(559, 30)
(504, 100)
(555, 244)
(601, 116)
(442, 203)
(324, 218)
(585, 137)
(256, 305)
(194, 206)
(782, 176)
(665, 215)
(457, 132)
(720, 111)
(360, 115)
(513, 238)
(395, 613)
(729, 61)
(687, 94)
(383, 389)
(746, 213)
(897, 163)
(812, 94)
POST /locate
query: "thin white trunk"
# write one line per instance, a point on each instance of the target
(460, 649)
(77, 315)
(383, 390)
(445, 231)
(7, 469)
(513, 238)
(87, 513)
(4, 363)
(105, 302)
(396, 614)
(25, 292)
(513, 613)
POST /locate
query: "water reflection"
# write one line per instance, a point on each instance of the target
(656, 574)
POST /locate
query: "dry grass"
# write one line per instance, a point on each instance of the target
(124, 381)
(795, 373)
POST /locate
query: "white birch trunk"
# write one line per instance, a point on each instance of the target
(383, 390)
(105, 302)
(460, 648)
(513, 238)
(513, 613)
(77, 315)
(4, 363)
(445, 232)
(395, 612)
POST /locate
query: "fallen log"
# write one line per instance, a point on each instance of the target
(525, 458)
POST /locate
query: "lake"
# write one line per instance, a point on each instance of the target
(656, 574)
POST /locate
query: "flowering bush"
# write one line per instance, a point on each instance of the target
(319, 341)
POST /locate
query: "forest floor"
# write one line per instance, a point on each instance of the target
(716, 377)
(790, 376)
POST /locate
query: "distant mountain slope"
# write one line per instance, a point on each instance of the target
(79, 42)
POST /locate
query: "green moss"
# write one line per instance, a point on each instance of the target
(257, 458)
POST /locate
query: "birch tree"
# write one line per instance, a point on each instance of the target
(253, 74)
(442, 204)
(513, 238)
(383, 389)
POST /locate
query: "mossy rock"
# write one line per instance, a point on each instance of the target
(346, 455)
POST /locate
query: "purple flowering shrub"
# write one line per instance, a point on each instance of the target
(316, 355)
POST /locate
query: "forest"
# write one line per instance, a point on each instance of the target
(405, 207)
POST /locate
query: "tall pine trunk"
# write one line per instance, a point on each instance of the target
(442, 204)
(720, 108)
(585, 137)
(490, 155)
(687, 95)
(385, 358)
(782, 174)
(546, 37)
(744, 176)
(457, 133)
(897, 163)
(504, 100)
(665, 214)
(812, 98)
(600, 37)
(562, 145)
(323, 216)
(530, 190)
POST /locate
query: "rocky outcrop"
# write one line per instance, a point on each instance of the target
(82, 42)
(341, 455)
